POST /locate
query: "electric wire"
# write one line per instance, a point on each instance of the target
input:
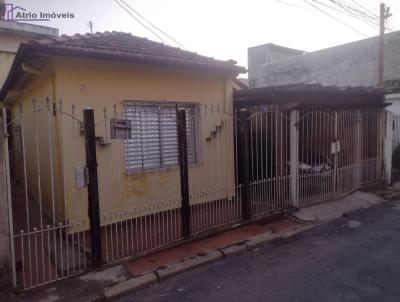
(336, 19)
(141, 23)
(151, 24)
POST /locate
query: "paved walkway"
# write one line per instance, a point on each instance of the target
(90, 287)
(356, 258)
(173, 255)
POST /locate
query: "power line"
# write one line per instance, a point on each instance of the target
(364, 8)
(348, 12)
(336, 19)
(361, 15)
(141, 23)
(361, 10)
(157, 28)
(338, 10)
(294, 5)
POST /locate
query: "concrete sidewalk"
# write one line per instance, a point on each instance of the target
(139, 273)
(328, 211)
(354, 258)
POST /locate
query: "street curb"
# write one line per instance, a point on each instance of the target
(296, 231)
(259, 240)
(130, 285)
(233, 249)
(162, 274)
(188, 264)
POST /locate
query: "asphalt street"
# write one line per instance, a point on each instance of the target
(355, 258)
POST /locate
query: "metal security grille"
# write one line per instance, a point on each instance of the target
(256, 161)
(371, 152)
(348, 166)
(154, 135)
(396, 131)
(269, 159)
(46, 245)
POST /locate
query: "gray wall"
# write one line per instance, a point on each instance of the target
(267, 53)
(353, 64)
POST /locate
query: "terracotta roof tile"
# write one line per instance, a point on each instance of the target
(120, 45)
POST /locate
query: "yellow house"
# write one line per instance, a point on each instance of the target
(123, 78)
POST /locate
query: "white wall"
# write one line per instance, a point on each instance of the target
(394, 100)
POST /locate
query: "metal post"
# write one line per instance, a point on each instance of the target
(357, 149)
(9, 198)
(388, 147)
(335, 155)
(184, 171)
(381, 62)
(93, 190)
(380, 143)
(244, 166)
(294, 158)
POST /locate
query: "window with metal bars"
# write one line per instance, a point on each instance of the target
(154, 142)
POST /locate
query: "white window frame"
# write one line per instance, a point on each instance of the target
(135, 159)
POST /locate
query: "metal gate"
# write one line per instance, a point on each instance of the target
(153, 198)
(339, 152)
(396, 131)
(214, 185)
(268, 128)
(371, 146)
(48, 241)
(348, 155)
(138, 172)
(158, 173)
(316, 166)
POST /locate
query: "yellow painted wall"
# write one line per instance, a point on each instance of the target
(40, 137)
(8, 47)
(101, 84)
(6, 59)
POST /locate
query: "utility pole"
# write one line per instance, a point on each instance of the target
(384, 15)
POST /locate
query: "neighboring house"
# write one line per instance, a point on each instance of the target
(12, 34)
(353, 64)
(132, 73)
(265, 54)
(240, 83)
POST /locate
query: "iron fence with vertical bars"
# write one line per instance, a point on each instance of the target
(240, 165)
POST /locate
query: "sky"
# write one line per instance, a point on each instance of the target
(222, 29)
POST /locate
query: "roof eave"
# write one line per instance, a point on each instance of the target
(34, 49)
(309, 94)
(41, 49)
